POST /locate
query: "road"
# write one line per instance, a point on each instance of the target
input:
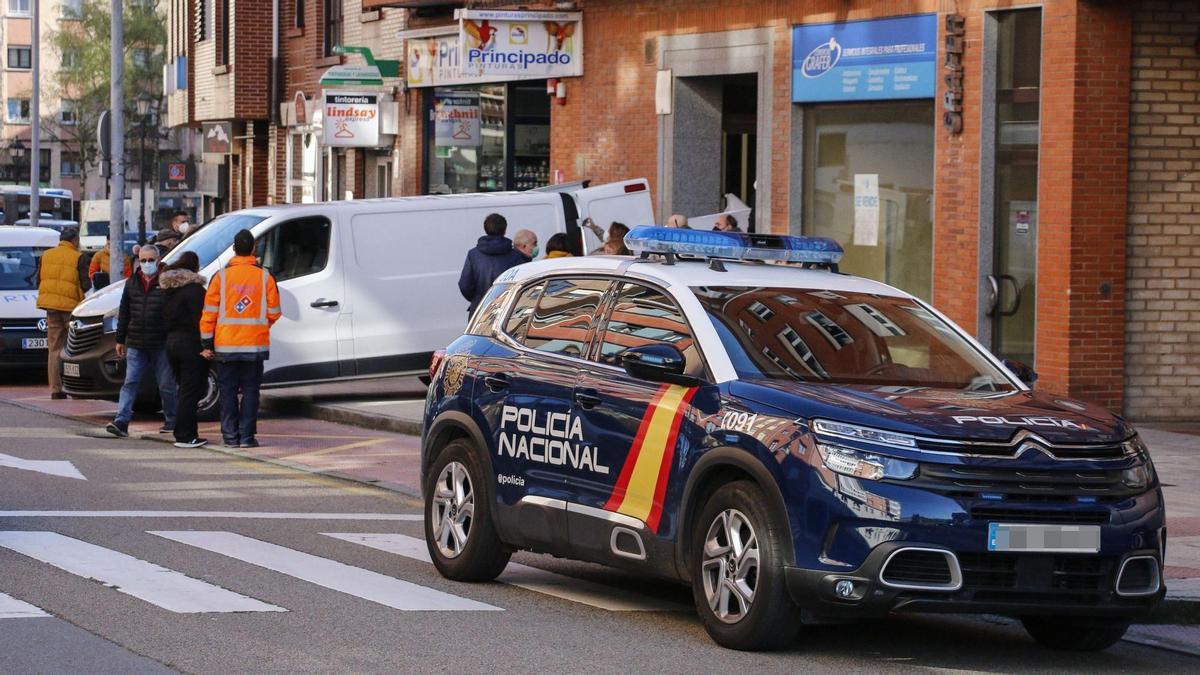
(161, 560)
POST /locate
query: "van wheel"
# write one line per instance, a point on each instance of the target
(1075, 633)
(737, 571)
(459, 530)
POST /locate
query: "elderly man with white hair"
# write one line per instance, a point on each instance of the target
(526, 242)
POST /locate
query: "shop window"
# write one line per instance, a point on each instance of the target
(303, 161)
(295, 249)
(488, 138)
(868, 184)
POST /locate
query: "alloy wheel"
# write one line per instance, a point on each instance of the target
(453, 509)
(730, 566)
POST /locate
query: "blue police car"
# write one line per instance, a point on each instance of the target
(797, 444)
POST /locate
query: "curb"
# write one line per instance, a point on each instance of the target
(339, 415)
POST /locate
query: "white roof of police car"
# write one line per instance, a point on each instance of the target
(17, 235)
(692, 273)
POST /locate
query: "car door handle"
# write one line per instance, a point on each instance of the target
(323, 303)
(587, 399)
(496, 382)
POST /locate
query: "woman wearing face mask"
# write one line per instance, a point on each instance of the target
(184, 289)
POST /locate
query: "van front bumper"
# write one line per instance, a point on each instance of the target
(13, 334)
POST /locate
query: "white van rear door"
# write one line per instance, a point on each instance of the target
(625, 202)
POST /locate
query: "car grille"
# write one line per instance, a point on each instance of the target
(19, 324)
(83, 338)
(1022, 485)
(1014, 447)
(79, 385)
(925, 568)
(1024, 578)
(1047, 516)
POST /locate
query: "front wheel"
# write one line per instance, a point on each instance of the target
(737, 571)
(459, 531)
(1077, 634)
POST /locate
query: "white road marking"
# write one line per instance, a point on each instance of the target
(156, 585)
(331, 574)
(50, 467)
(524, 576)
(412, 517)
(12, 608)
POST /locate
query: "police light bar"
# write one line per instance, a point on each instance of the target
(646, 239)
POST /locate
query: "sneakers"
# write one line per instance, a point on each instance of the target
(118, 429)
(166, 429)
(231, 444)
(194, 443)
(252, 443)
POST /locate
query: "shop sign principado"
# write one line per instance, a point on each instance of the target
(521, 45)
(869, 60)
(437, 62)
(351, 119)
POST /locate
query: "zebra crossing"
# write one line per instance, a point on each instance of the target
(179, 593)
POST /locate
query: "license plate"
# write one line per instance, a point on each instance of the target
(35, 343)
(1044, 538)
(71, 369)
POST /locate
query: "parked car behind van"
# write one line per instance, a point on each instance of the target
(368, 287)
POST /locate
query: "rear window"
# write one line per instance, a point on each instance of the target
(840, 337)
(19, 267)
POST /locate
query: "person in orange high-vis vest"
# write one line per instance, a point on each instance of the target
(241, 305)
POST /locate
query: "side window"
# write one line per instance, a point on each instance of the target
(484, 321)
(518, 321)
(295, 249)
(642, 316)
(560, 321)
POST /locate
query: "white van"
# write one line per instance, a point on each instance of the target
(22, 325)
(94, 216)
(368, 287)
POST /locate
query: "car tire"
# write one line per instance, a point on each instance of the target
(741, 596)
(1076, 634)
(460, 532)
(209, 407)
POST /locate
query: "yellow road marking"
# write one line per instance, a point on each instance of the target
(338, 448)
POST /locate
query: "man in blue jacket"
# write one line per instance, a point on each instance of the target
(492, 255)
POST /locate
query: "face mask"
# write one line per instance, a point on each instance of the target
(150, 268)
(535, 252)
(184, 227)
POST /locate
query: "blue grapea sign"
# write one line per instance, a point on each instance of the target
(872, 60)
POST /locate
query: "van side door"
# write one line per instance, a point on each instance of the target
(625, 202)
(302, 256)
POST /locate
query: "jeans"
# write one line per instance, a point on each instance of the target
(191, 372)
(56, 334)
(239, 419)
(136, 362)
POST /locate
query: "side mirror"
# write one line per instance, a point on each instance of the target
(1023, 372)
(657, 363)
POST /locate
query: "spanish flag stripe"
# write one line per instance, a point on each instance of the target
(643, 483)
(618, 493)
(664, 471)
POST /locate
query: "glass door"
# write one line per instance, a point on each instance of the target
(1010, 289)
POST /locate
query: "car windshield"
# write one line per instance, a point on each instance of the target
(212, 239)
(840, 337)
(18, 267)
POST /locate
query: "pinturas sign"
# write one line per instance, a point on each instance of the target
(521, 45)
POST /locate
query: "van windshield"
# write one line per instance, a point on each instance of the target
(18, 267)
(211, 240)
(842, 337)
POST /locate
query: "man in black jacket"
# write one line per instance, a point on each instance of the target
(141, 341)
(492, 255)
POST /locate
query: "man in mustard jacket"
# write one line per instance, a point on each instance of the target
(240, 307)
(62, 281)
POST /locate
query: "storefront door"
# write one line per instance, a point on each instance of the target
(1008, 238)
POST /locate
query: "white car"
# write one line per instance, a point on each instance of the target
(22, 325)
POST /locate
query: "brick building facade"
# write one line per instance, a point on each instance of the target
(1059, 224)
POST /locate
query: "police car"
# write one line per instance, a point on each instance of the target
(795, 443)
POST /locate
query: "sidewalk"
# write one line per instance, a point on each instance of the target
(367, 431)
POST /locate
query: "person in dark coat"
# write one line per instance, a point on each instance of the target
(141, 341)
(492, 255)
(183, 290)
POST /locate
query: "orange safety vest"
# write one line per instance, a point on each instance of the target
(241, 305)
(100, 264)
(58, 286)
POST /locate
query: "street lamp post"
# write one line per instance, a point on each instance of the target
(143, 111)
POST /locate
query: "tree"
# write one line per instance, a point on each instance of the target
(82, 45)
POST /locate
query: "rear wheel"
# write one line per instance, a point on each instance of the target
(737, 571)
(1077, 634)
(459, 530)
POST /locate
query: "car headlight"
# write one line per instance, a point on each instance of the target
(866, 465)
(867, 434)
(1138, 477)
(1136, 447)
(110, 321)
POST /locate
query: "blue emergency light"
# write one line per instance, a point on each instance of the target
(645, 239)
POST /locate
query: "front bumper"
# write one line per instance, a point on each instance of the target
(13, 351)
(100, 371)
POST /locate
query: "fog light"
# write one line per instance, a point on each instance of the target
(844, 588)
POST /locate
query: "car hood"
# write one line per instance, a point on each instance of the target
(942, 413)
(101, 302)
